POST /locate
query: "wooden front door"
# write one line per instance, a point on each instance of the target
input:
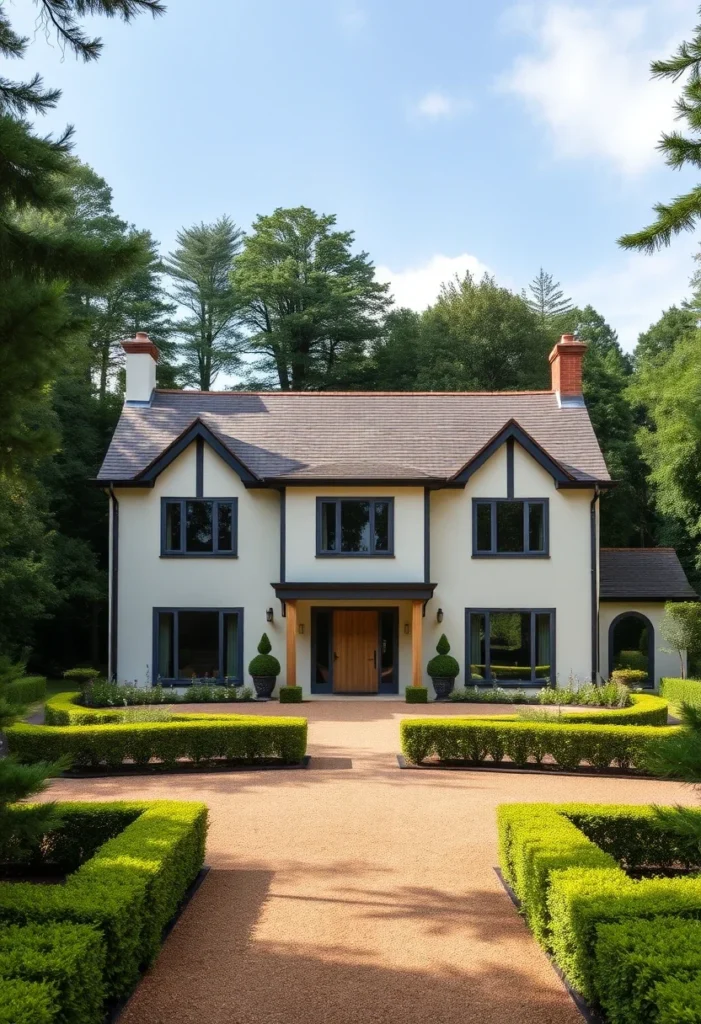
(355, 651)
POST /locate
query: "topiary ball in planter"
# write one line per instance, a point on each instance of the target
(443, 669)
(264, 669)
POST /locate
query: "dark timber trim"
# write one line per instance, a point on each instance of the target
(283, 533)
(114, 587)
(427, 534)
(594, 548)
(354, 591)
(197, 429)
(199, 467)
(510, 467)
(512, 430)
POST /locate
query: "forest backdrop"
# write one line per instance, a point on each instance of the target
(288, 302)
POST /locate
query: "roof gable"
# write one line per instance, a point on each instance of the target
(196, 429)
(512, 430)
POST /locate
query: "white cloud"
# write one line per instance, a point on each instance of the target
(418, 287)
(437, 104)
(588, 79)
(632, 291)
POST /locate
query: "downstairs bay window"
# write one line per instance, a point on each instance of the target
(194, 644)
(510, 646)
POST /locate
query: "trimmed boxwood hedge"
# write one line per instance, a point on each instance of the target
(630, 959)
(290, 694)
(198, 738)
(416, 695)
(24, 691)
(681, 691)
(490, 740)
(27, 1002)
(128, 890)
(569, 887)
(69, 956)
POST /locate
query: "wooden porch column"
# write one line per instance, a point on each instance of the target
(416, 645)
(291, 620)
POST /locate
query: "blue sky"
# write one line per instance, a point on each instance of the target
(448, 135)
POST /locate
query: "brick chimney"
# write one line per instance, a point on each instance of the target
(142, 356)
(566, 367)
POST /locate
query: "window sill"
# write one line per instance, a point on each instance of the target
(198, 554)
(354, 554)
(513, 554)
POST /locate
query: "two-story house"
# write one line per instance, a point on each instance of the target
(355, 528)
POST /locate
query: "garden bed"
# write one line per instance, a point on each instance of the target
(72, 951)
(631, 946)
(185, 768)
(508, 767)
(201, 740)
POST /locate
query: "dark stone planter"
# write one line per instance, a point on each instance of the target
(443, 685)
(264, 686)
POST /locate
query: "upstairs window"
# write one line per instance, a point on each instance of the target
(355, 526)
(509, 527)
(199, 527)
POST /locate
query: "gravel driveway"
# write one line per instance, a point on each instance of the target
(353, 892)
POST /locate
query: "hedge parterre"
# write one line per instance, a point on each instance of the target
(127, 891)
(26, 690)
(197, 738)
(491, 740)
(681, 691)
(572, 890)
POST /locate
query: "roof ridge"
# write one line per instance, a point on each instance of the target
(352, 394)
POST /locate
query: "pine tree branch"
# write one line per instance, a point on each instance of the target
(672, 218)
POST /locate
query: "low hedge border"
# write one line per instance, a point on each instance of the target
(246, 738)
(28, 1002)
(27, 690)
(71, 957)
(416, 695)
(128, 890)
(681, 691)
(568, 886)
(290, 694)
(64, 709)
(630, 959)
(489, 740)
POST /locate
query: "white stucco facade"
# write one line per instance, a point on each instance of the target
(147, 581)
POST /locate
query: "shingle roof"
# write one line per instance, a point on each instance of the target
(643, 574)
(358, 435)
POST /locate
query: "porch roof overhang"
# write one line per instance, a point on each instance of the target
(312, 591)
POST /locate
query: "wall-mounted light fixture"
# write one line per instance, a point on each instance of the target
(300, 628)
(268, 614)
(407, 629)
(439, 615)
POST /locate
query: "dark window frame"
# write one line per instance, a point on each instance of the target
(488, 679)
(333, 500)
(215, 553)
(526, 502)
(176, 680)
(392, 685)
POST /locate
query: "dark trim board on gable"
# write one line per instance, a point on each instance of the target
(512, 431)
(195, 431)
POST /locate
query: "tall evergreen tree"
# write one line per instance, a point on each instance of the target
(547, 300)
(481, 337)
(310, 304)
(682, 213)
(208, 341)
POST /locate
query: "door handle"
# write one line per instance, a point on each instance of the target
(335, 656)
(374, 659)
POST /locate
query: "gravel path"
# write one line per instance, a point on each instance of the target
(353, 892)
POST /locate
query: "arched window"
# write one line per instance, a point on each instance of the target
(632, 644)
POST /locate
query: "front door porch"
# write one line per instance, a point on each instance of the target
(354, 650)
